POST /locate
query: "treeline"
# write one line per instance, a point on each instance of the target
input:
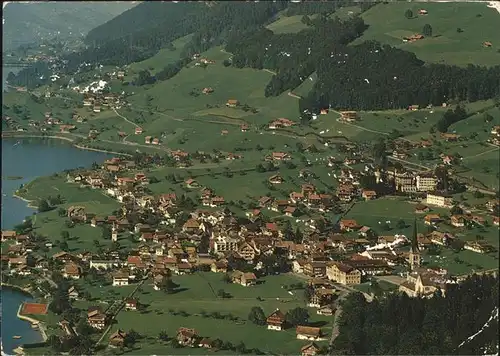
(450, 117)
(293, 56)
(376, 77)
(399, 325)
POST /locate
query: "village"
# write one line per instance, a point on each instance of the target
(174, 235)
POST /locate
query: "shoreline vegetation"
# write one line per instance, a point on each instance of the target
(29, 202)
(67, 139)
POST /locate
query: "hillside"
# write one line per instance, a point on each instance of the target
(30, 22)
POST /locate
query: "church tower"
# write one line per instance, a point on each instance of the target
(414, 251)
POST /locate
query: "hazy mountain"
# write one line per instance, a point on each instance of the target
(26, 22)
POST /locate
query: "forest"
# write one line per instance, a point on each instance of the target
(400, 325)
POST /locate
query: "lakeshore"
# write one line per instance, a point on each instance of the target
(67, 139)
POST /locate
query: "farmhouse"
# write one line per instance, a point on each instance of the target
(117, 339)
(245, 279)
(276, 320)
(310, 349)
(96, 319)
(348, 116)
(232, 103)
(186, 336)
(308, 333)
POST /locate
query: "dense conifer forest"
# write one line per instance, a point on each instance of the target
(400, 325)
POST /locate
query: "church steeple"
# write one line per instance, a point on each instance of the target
(414, 256)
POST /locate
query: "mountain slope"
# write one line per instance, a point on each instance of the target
(32, 21)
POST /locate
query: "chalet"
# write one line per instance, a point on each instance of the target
(348, 225)
(457, 220)
(280, 156)
(487, 44)
(217, 201)
(310, 349)
(186, 337)
(73, 293)
(205, 343)
(276, 320)
(244, 128)
(207, 90)
(96, 109)
(117, 339)
(321, 297)
(8, 234)
(413, 107)
(72, 270)
(290, 210)
(191, 183)
(224, 132)
(179, 155)
(316, 269)
(326, 311)
(276, 179)
(191, 225)
(66, 128)
(245, 279)
(422, 12)
(431, 219)
(450, 137)
(120, 278)
(219, 267)
(349, 116)
(232, 103)
(138, 130)
(308, 333)
(478, 246)
(96, 318)
(147, 140)
(421, 209)
(265, 201)
(369, 194)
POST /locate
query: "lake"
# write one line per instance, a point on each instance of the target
(30, 158)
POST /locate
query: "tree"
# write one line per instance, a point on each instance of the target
(456, 210)
(65, 235)
(257, 316)
(226, 63)
(409, 14)
(401, 224)
(427, 30)
(297, 316)
(162, 335)
(44, 206)
(221, 293)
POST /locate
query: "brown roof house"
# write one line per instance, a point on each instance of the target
(96, 319)
(310, 349)
(245, 279)
(276, 320)
(308, 333)
(117, 339)
(187, 337)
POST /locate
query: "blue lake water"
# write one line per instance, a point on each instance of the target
(30, 158)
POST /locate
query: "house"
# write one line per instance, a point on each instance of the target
(280, 156)
(244, 128)
(439, 199)
(315, 269)
(431, 219)
(478, 246)
(191, 183)
(369, 194)
(487, 44)
(131, 304)
(420, 209)
(147, 140)
(343, 273)
(205, 343)
(276, 179)
(232, 103)
(117, 339)
(245, 279)
(219, 267)
(289, 211)
(457, 220)
(310, 349)
(308, 333)
(422, 12)
(207, 90)
(349, 116)
(275, 320)
(138, 130)
(73, 293)
(348, 225)
(413, 107)
(423, 283)
(321, 297)
(224, 132)
(72, 270)
(96, 318)
(186, 336)
(120, 278)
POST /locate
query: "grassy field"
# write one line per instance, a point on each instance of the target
(287, 24)
(199, 294)
(388, 24)
(162, 58)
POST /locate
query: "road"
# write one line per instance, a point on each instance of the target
(124, 118)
